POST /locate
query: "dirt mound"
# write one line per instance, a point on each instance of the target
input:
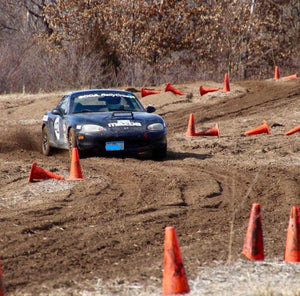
(111, 225)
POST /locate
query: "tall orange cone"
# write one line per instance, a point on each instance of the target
(264, 128)
(1, 283)
(214, 131)
(147, 92)
(169, 87)
(226, 87)
(191, 126)
(290, 76)
(293, 130)
(37, 173)
(292, 246)
(253, 247)
(174, 277)
(75, 169)
(204, 90)
(276, 74)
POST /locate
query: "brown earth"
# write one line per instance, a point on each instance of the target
(111, 225)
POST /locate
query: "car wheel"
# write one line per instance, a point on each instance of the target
(72, 143)
(159, 153)
(46, 148)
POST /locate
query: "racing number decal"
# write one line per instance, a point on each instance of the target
(60, 130)
(57, 127)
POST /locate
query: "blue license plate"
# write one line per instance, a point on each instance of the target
(114, 146)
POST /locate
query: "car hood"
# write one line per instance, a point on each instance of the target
(109, 118)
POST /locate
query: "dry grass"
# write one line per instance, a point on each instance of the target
(242, 278)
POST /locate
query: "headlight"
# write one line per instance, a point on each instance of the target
(92, 128)
(155, 127)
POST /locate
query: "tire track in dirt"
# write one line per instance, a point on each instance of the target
(111, 225)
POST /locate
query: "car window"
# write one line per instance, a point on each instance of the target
(88, 103)
(63, 105)
(104, 102)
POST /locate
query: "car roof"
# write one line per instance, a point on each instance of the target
(98, 90)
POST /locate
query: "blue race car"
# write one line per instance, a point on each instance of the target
(104, 120)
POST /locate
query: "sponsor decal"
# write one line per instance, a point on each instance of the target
(88, 96)
(45, 118)
(56, 128)
(65, 132)
(117, 95)
(124, 123)
(104, 95)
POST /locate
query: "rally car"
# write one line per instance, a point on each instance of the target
(106, 121)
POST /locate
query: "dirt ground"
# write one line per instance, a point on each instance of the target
(55, 233)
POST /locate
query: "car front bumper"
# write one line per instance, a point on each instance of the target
(131, 142)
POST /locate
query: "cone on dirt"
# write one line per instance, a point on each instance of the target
(293, 76)
(292, 246)
(174, 277)
(169, 87)
(214, 131)
(37, 173)
(293, 130)
(226, 87)
(1, 283)
(204, 90)
(276, 74)
(253, 247)
(75, 169)
(147, 92)
(191, 126)
(264, 128)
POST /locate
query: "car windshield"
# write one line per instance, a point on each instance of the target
(105, 102)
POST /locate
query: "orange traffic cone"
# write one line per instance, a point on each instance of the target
(264, 128)
(191, 126)
(147, 92)
(290, 76)
(276, 74)
(226, 87)
(37, 173)
(214, 131)
(293, 130)
(204, 90)
(75, 170)
(253, 247)
(1, 283)
(292, 246)
(169, 87)
(174, 277)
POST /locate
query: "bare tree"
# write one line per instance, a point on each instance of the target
(111, 42)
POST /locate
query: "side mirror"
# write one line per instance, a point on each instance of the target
(56, 111)
(150, 109)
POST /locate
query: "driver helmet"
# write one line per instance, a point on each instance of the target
(113, 103)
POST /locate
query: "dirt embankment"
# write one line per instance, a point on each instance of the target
(111, 225)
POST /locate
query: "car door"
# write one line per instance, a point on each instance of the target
(58, 122)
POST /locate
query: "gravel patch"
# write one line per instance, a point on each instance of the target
(242, 278)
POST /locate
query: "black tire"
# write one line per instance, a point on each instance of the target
(72, 142)
(46, 148)
(159, 153)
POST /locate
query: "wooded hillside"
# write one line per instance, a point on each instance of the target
(63, 44)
